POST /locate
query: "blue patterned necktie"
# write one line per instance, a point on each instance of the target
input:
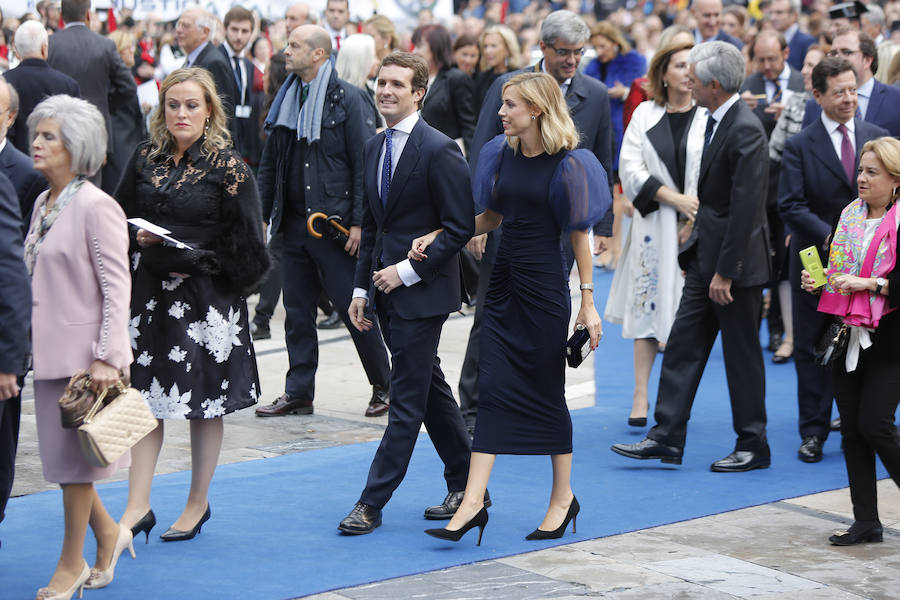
(386, 167)
(707, 137)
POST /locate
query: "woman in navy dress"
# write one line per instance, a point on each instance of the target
(533, 181)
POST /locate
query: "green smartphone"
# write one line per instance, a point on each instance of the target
(813, 265)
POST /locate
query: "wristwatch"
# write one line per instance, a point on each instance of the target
(880, 282)
(586, 286)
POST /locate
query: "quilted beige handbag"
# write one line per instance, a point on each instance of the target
(108, 431)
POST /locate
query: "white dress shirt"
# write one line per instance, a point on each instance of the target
(837, 137)
(783, 78)
(399, 137)
(719, 114)
(242, 93)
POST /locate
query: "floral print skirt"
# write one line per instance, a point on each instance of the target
(193, 355)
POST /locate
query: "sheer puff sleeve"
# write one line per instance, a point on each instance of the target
(241, 250)
(486, 175)
(579, 192)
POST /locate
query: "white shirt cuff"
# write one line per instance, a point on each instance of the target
(407, 274)
(361, 293)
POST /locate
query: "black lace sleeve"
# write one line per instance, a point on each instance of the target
(240, 250)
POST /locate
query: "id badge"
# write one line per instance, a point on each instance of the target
(242, 111)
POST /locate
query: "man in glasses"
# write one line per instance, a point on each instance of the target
(877, 102)
(564, 37)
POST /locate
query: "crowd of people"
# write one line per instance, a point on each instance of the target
(386, 174)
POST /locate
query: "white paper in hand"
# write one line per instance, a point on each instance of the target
(159, 231)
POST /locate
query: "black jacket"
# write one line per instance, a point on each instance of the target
(332, 166)
(448, 105)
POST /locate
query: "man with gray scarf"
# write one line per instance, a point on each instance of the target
(313, 163)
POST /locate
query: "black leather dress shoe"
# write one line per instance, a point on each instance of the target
(286, 405)
(647, 448)
(362, 519)
(260, 332)
(835, 424)
(332, 321)
(861, 532)
(740, 461)
(810, 450)
(447, 508)
(379, 403)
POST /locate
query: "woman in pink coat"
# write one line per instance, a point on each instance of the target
(77, 254)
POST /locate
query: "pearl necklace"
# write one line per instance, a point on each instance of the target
(687, 106)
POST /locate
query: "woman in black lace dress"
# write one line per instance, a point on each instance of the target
(193, 355)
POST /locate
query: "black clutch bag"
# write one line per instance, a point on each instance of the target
(578, 347)
(832, 345)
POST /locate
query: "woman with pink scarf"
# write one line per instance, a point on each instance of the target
(863, 292)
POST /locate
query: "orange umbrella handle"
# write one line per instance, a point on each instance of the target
(311, 224)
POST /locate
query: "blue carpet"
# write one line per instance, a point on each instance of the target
(273, 528)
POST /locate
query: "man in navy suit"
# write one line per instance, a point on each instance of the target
(877, 102)
(15, 318)
(34, 79)
(416, 181)
(708, 14)
(238, 31)
(818, 179)
(19, 168)
(783, 16)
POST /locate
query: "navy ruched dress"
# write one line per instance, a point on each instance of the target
(522, 406)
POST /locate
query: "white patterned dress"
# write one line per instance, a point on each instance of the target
(193, 355)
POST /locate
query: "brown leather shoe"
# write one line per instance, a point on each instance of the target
(379, 403)
(285, 405)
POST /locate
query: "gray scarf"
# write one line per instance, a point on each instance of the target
(308, 119)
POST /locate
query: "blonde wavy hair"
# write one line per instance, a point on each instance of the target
(541, 92)
(887, 150)
(216, 136)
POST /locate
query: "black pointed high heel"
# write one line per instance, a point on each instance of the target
(479, 520)
(540, 534)
(146, 523)
(175, 535)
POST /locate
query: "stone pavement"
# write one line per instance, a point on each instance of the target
(775, 551)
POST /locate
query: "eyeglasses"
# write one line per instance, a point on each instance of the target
(566, 53)
(845, 52)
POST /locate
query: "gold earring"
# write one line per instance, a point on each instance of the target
(206, 129)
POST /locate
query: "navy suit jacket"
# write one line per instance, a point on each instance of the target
(213, 60)
(882, 110)
(813, 188)
(430, 189)
(722, 36)
(588, 102)
(798, 46)
(246, 130)
(27, 182)
(34, 80)
(15, 291)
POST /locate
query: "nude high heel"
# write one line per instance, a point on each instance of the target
(47, 593)
(98, 578)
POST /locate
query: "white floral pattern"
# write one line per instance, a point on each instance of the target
(214, 407)
(133, 332)
(176, 354)
(173, 404)
(224, 384)
(144, 359)
(217, 334)
(171, 284)
(177, 309)
(151, 304)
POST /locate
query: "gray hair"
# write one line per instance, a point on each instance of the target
(355, 59)
(13, 95)
(30, 38)
(81, 126)
(564, 26)
(205, 20)
(720, 61)
(874, 15)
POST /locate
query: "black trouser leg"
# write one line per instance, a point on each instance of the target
(10, 411)
(271, 287)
